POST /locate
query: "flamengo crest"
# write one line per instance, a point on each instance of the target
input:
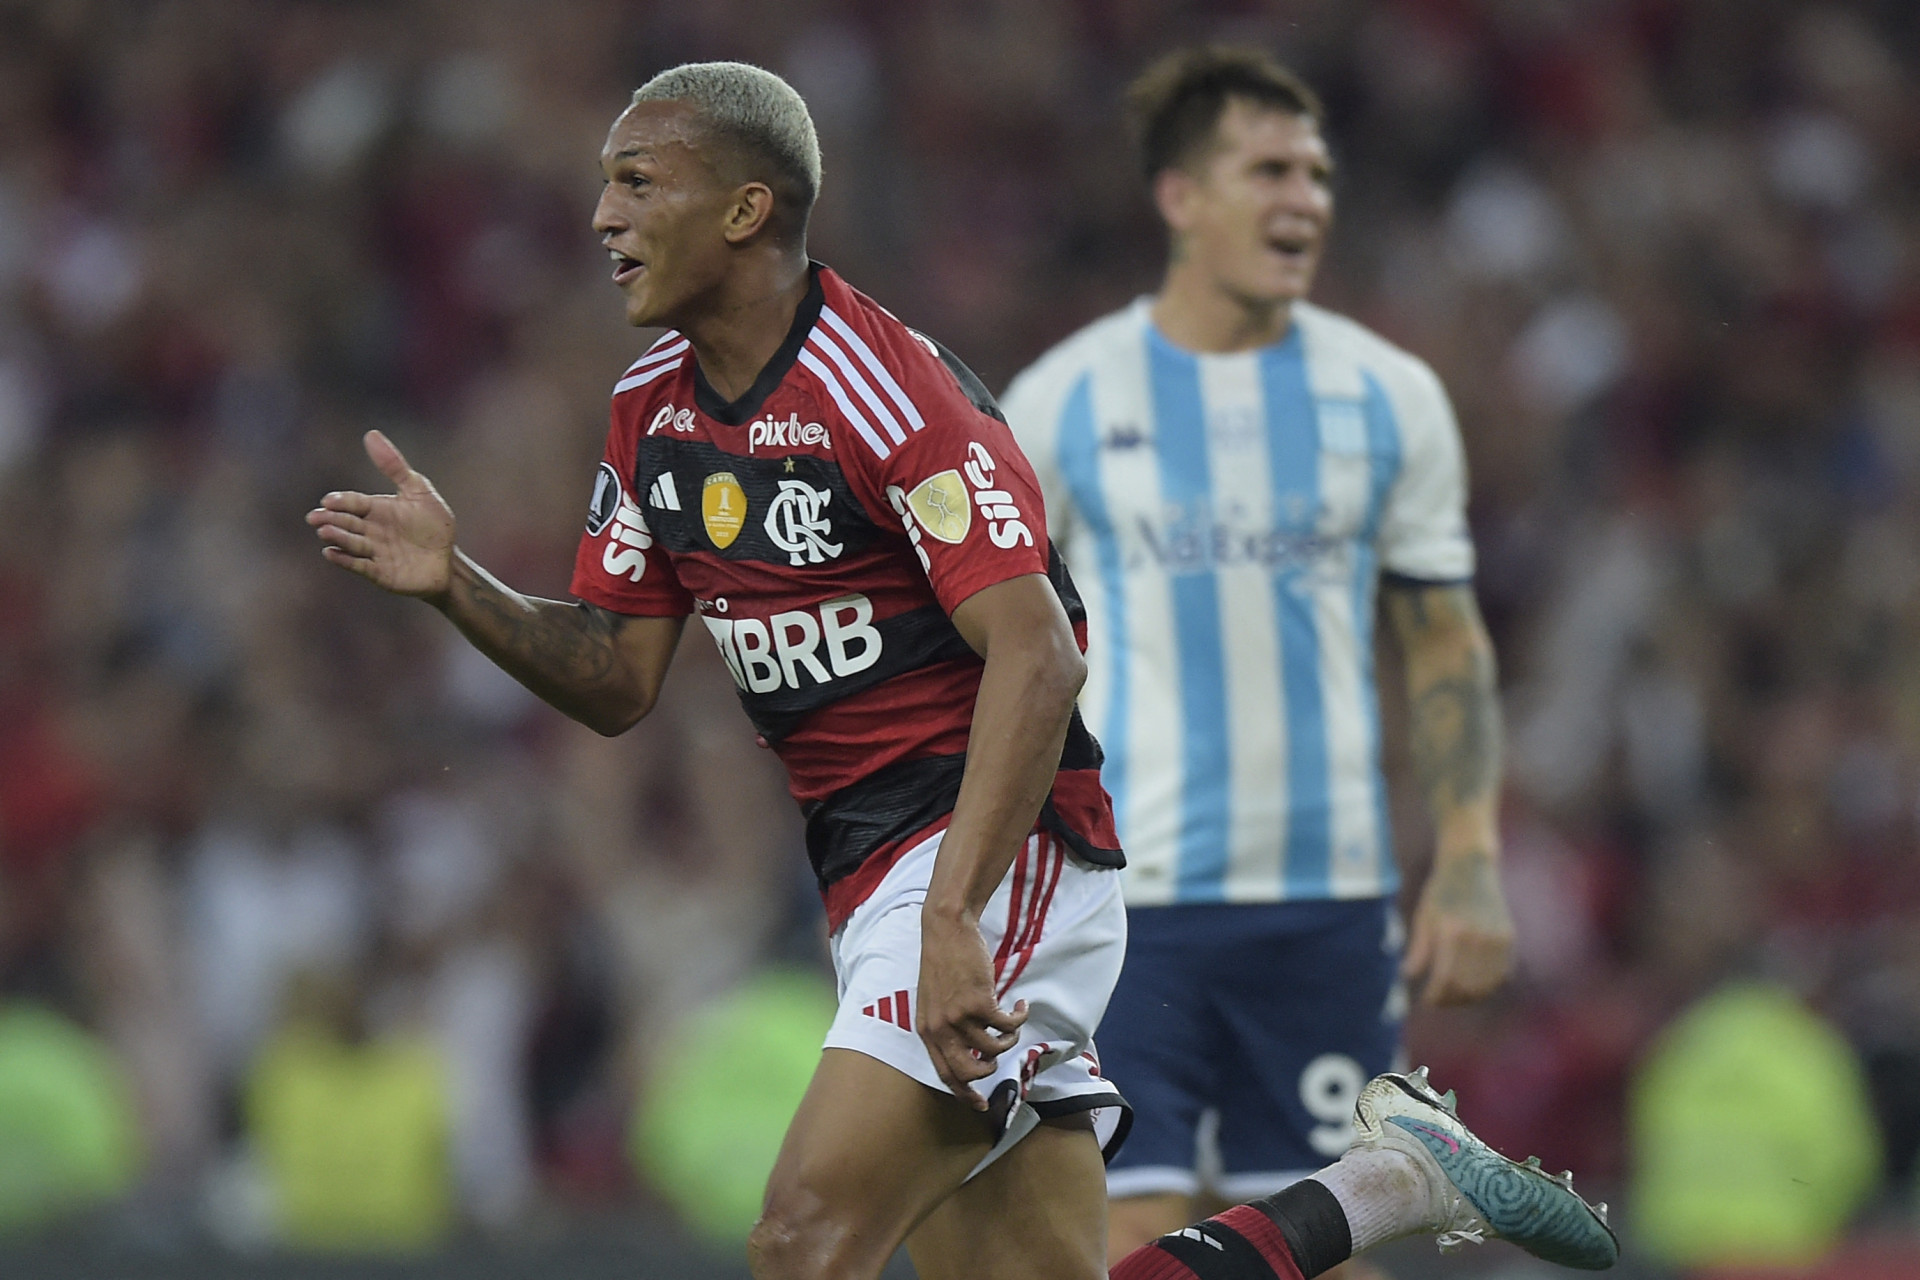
(798, 524)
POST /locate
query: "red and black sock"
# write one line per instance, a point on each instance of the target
(1294, 1235)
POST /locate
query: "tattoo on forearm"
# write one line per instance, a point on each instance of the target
(1456, 735)
(558, 645)
(1455, 727)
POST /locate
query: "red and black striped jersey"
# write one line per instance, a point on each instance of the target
(824, 527)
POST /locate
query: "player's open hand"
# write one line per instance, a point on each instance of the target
(402, 541)
(1461, 943)
(962, 1023)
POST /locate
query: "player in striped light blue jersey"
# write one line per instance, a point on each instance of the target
(1240, 479)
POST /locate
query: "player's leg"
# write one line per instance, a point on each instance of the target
(1160, 1042)
(1414, 1169)
(1178, 1215)
(879, 1142)
(1134, 1220)
(870, 1153)
(1037, 1213)
(1311, 1009)
(1140, 1220)
(1275, 1014)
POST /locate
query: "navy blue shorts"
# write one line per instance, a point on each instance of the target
(1242, 1034)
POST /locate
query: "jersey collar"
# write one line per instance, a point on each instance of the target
(740, 411)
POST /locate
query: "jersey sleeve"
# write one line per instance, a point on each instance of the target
(617, 565)
(956, 482)
(1423, 528)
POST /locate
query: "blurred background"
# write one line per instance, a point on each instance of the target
(327, 951)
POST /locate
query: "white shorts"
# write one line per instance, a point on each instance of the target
(1057, 932)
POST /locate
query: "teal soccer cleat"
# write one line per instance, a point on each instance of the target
(1475, 1191)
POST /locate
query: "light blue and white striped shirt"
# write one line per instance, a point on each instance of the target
(1227, 519)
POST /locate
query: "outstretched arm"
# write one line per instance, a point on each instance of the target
(604, 669)
(1020, 717)
(1461, 942)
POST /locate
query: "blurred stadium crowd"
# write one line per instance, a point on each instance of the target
(256, 819)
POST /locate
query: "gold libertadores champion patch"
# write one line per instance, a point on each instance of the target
(723, 508)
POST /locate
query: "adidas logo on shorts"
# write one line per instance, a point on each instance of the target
(892, 1009)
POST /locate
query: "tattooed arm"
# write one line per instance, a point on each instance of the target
(1461, 941)
(604, 669)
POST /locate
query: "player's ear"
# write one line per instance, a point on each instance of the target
(750, 212)
(1174, 194)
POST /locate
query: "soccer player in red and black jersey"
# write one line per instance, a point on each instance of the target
(837, 499)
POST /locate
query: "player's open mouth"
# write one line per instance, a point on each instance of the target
(1291, 249)
(624, 268)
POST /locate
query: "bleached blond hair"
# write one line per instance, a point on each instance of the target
(756, 111)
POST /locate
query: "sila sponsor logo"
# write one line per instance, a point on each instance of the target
(799, 647)
(1005, 528)
(612, 512)
(791, 434)
(627, 543)
(939, 507)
